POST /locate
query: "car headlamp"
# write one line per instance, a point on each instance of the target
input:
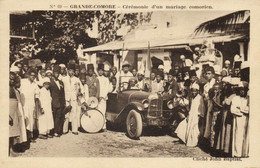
(145, 103)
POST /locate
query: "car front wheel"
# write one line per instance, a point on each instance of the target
(134, 125)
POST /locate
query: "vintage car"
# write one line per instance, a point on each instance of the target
(138, 109)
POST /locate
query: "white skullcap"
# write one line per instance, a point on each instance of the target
(236, 58)
(106, 67)
(160, 67)
(14, 69)
(53, 61)
(197, 49)
(195, 86)
(217, 69)
(46, 79)
(43, 65)
(244, 64)
(49, 71)
(227, 62)
(182, 57)
(62, 66)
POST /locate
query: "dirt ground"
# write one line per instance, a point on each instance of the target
(111, 144)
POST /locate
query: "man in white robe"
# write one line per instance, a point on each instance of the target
(45, 120)
(196, 112)
(105, 87)
(240, 110)
(30, 94)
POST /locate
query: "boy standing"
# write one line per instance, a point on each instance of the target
(46, 118)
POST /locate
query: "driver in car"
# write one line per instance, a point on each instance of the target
(125, 75)
(133, 83)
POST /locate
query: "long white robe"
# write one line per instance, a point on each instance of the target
(45, 120)
(105, 87)
(29, 91)
(197, 109)
(23, 136)
(239, 107)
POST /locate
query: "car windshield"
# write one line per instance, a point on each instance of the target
(133, 83)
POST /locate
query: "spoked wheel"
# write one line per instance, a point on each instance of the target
(134, 125)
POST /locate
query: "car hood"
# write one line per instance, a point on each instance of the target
(136, 95)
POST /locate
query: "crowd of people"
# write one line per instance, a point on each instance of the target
(212, 103)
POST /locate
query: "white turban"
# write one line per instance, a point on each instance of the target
(46, 79)
(195, 86)
(14, 69)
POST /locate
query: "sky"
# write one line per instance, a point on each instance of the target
(185, 22)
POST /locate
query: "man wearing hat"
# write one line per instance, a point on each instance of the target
(106, 70)
(77, 70)
(240, 110)
(45, 119)
(226, 67)
(172, 87)
(48, 66)
(83, 69)
(235, 77)
(195, 117)
(92, 82)
(157, 86)
(63, 71)
(72, 88)
(189, 82)
(140, 80)
(105, 87)
(30, 92)
(41, 76)
(58, 100)
(15, 70)
(125, 75)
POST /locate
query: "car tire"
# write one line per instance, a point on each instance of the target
(134, 125)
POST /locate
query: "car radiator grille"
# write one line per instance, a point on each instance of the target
(155, 108)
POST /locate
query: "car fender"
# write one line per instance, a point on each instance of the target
(139, 107)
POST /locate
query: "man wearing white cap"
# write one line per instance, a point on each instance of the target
(240, 111)
(195, 117)
(140, 81)
(63, 72)
(46, 118)
(15, 69)
(49, 73)
(226, 67)
(105, 87)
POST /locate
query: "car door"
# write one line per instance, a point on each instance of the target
(111, 111)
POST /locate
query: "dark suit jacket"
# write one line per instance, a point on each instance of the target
(58, 95)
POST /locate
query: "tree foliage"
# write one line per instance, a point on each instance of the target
(59, 33)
